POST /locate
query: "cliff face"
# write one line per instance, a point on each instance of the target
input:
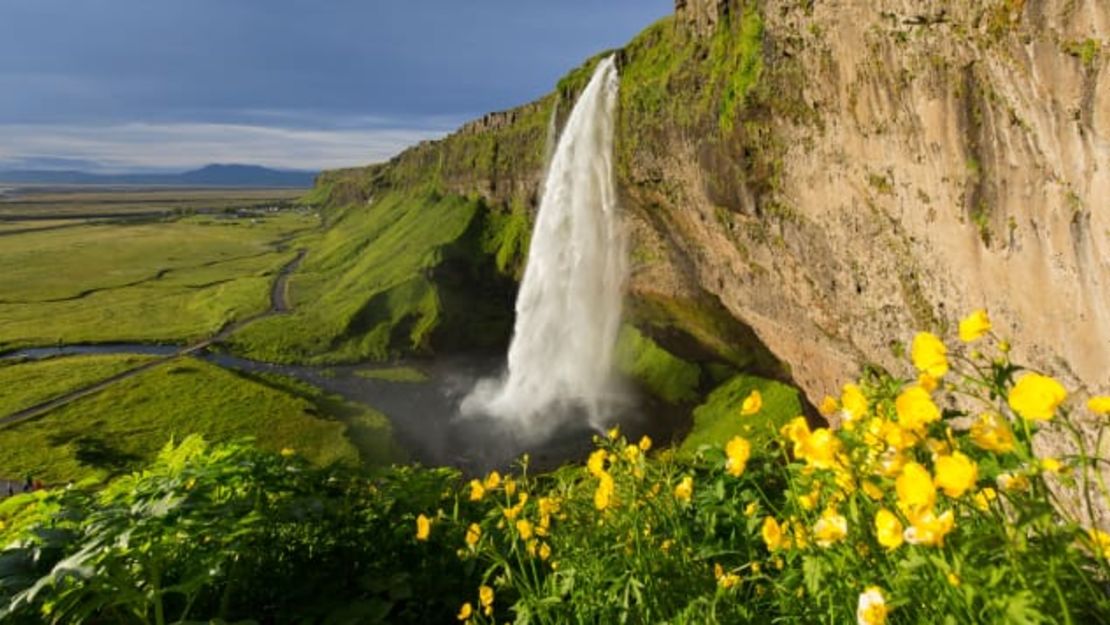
(948, 155)
(822, 179)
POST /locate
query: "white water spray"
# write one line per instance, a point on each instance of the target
(569, 306)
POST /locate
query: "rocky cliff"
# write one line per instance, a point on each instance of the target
(817, 180)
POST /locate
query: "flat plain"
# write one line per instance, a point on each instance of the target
(210, 261)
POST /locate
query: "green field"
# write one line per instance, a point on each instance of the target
(85, 201)
(162, 281)
(25, 384)
(125, 425)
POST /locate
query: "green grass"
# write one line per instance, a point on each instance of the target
(89, 202)
(661, 373)
(718, 419)
(365, 291)
(164, 281)
(25, 384)
(126, 424)
(393, 374)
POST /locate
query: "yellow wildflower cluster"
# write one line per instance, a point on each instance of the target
(916, 467)
(901, 452)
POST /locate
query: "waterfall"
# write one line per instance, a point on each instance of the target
(569, 306)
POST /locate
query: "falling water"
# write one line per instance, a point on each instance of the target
(569, 306)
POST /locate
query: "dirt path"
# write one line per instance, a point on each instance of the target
(279, 304)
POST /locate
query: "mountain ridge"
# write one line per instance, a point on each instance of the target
(213, 175)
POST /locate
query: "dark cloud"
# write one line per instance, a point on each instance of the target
(307, 63)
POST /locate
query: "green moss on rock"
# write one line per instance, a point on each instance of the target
(658, 371)
(719, 419)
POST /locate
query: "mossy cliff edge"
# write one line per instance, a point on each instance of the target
(801, 180)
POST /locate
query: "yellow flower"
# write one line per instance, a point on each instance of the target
(830, 528)
(524, 526)
(473, 534)
(796, 431)
(685, 489)
(929, 530)
(510, 486)
(1099, 405)
(645, 443)
(614, 433)
(955, 474)
(871, 609)
(828, 406)
(666, 545)
(1052, 465)
(854, 402)
(477, 491)
(738, 451)
(953, 579)
(915, 489)
(465, 611)
(753, 403)
(1013, 483)
(423, 527)
(896, 436)
(751, 509)
(927, 382)
(512, 512)
(596, 464)
(888, 529)
(485, 597)
(983, 498)
(631, 453)
(771, 533)
(974, 326)
(809, 500)
(916, 409)
(801, 540)
(891, 463)
(603, 496)
(548, 506)
(872, 490)
(1100, 540)
(493, 480)
(992, 432)
(1035, 397)
(819, 449)
(725, 580)
(929, 354)
(288, 451)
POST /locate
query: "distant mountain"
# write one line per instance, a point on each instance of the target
(207, 176)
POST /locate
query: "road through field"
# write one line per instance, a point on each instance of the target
(279, 304)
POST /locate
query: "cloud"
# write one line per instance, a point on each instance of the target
(179, 146)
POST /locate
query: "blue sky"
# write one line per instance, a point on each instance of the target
(138, 84)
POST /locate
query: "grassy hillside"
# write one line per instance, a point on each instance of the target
(124, 426)
(385, 277)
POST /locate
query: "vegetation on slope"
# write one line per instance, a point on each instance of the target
(26, 384)
(368, 288)
(896, 517)
(123, 426)
(716, 421)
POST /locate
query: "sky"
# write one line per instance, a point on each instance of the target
(130, 85)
